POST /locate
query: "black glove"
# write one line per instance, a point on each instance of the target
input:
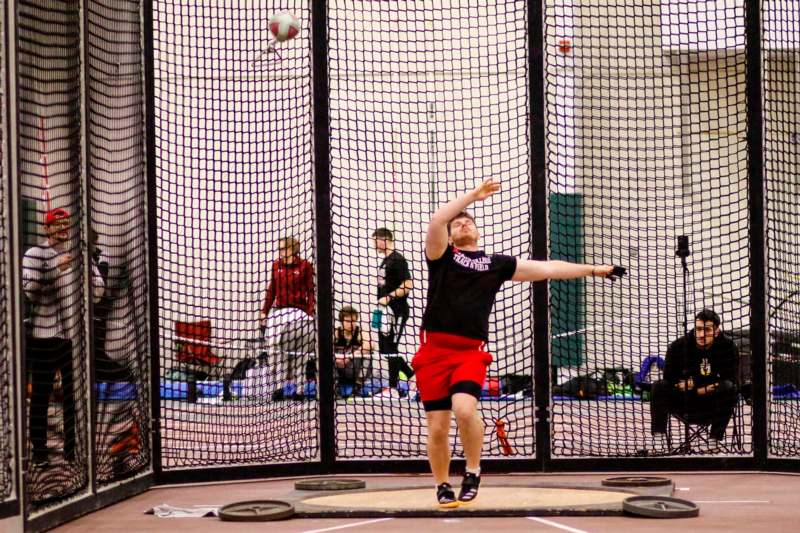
(617, 273)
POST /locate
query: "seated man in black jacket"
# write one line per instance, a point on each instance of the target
(699, 379)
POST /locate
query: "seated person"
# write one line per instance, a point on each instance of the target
(699, 379)
(349, 339)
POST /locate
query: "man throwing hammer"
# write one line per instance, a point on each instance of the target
(452, 360)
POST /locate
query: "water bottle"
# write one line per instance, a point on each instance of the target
(377, 318)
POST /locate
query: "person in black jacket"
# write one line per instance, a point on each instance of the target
(699, 379)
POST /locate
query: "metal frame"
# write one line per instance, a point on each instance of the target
(86, 219)
(322, 174)
(16, 246)
(12, 506)
(541, 290)
(758, 261)
(57, 516)
(83, 498)
(152, 237)
(115, 490)
(544, 461)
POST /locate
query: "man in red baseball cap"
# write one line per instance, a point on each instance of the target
(56, 225)
(50, 279)
(54, 215)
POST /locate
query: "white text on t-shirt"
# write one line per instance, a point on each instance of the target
(480, 264)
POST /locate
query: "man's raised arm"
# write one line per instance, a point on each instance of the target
(436, 239)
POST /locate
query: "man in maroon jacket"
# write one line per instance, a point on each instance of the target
(287, 314)
(292, 281)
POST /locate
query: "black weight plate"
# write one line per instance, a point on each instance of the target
(660, 507)
(255, 511)
(329, 484)
(637, 481)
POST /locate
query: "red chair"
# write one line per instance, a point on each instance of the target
(193, 343)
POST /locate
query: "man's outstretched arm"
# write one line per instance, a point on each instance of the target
(528, 270)
(436, 239)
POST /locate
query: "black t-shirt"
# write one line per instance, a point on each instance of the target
(392, 272)
(342, 344)
(720, 361)
(461, 290)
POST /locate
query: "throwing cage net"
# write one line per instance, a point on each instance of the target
(116, 237)
(425, 101)
(781, 75)
(646, 125)
(647, 164)
(49, 91)
(81, 187)
(235, 187)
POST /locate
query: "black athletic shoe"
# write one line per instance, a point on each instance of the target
(446, 496)
(469, 487)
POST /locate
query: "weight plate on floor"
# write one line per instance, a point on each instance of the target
(660, 507)
(255, 511)
(329, 484)
(637, 481)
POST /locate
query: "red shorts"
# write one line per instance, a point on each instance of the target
(446, 364)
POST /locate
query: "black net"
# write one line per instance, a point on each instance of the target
(425, 101)
(646, 124)
(646, 129)
(116, 173)
(781, 97)
(234, 160)
(6, 429)
(49, 159)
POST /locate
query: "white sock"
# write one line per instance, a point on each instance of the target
(476, 471)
